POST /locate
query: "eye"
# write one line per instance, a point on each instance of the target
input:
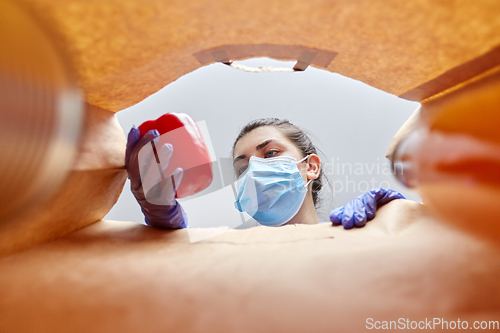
(271, 153)
(241, 170)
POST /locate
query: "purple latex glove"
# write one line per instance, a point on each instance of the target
(363, 208)
(164, 216)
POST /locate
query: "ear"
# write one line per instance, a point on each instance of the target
(314, 166)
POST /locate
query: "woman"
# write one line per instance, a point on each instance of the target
(279, 180)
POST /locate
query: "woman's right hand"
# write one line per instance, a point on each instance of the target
(159, 206)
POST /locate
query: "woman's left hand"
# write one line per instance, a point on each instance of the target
(363, 208)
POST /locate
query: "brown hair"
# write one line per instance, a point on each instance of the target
(294, 134)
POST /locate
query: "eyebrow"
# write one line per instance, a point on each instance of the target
(258, 147)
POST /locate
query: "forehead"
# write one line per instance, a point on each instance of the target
(258, 135)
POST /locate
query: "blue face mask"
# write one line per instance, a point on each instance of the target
(271, 190)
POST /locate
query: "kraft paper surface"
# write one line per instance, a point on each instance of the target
(123, 277)
(125, 50)
(91, 188)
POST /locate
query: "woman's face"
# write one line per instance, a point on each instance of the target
(264, 142)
